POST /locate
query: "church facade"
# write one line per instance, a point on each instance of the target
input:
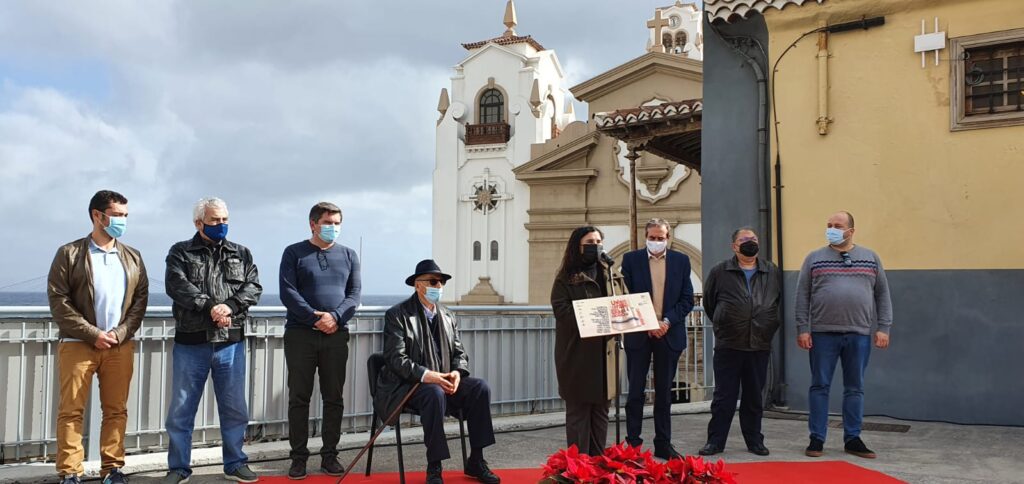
(515, 172)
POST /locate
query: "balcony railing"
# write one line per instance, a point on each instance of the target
(490, 133)
(509, 346)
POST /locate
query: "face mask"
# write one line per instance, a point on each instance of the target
(433, 294)
(116, 226)
(217, 232)
(656, 246)
(749, 248)
(591, 253)
(834, 236)
(329, 232)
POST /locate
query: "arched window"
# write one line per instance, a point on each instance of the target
(494, 250)
(666, 41)
(680, 38)
(476, 250)
(492, 107)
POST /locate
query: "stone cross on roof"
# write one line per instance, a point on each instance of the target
(657, 23)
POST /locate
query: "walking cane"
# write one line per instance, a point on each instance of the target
(391, 418)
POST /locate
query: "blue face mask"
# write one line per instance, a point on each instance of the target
(834, 236)
(217, 232)
(328, 233)
(433, 294)
(116, 226)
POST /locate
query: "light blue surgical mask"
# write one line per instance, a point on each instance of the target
(834, 236)
(433, 294)
(116, 226)
(328, 233)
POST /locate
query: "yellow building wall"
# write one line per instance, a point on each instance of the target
(923, 197)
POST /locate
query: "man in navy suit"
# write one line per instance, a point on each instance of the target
(665, 274)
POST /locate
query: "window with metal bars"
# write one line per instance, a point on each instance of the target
(492, 107)
(994, 79)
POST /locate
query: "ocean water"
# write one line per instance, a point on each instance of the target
(161, 299)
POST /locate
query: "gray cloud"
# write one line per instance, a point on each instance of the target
(271, 105)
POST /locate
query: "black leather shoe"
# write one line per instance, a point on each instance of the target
(666, 452)
(434, 473)
(478, 469)
(815, 449)
(857, 448)
(710, 449)
(297, 470)
(331, 466)
(758, 449)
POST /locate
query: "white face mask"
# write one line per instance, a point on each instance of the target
(657, 246)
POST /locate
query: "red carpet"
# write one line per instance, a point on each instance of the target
(831, 472)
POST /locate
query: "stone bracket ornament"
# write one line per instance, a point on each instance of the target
(655, 182)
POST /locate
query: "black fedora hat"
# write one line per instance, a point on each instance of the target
(426, 266)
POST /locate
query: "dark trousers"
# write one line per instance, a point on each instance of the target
(473, 397)
(638, 363)
(307, 352)
(736, 370)
(586, 426)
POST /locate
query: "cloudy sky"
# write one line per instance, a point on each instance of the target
(271, 105)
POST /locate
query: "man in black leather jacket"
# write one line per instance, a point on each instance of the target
(742, 298)
(421, 344)
(213, 282)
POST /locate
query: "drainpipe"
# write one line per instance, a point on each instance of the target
(764, 180)
(823, 119)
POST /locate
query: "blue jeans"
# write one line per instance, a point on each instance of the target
(853, 350)
(192, 365)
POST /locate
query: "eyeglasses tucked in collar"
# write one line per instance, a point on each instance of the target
(846, 258)
(432, 281)
(321, 257)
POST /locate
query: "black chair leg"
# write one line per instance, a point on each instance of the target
(398, 441)
(462, 437)
(373, 430)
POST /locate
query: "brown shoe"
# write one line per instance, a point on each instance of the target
(857, 448)
(815, 449)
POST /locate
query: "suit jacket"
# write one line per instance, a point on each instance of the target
(405, 336)
(678, 297)
(70, 292)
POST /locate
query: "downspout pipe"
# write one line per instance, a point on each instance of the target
(764, 179)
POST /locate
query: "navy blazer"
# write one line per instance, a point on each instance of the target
(678, 299)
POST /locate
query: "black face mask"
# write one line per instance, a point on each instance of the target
(591, 252)
(749, 248)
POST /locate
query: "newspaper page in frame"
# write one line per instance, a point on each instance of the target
(607, 316)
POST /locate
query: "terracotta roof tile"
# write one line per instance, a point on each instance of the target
(729, 10)
(649, 114)
(506, 40)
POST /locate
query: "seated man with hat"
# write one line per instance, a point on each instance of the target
(421, 344)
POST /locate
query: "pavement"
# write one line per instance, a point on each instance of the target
(928, 453)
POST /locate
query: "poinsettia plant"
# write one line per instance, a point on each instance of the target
(624, 464)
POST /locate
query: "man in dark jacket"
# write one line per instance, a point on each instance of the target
(212, 282)
(665, 274)
(421, 344)
(742, 298)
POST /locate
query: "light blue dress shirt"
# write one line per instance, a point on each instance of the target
(109, 283)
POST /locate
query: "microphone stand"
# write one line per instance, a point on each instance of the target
(609, 262)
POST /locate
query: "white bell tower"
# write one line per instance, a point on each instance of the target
(506, 95)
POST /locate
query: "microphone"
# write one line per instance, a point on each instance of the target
(607, 259)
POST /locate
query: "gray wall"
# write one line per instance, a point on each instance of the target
(729, 184)
(957, 349)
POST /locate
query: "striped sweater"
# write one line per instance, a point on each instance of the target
(836, 294)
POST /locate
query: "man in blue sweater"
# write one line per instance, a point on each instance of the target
(842, 296)
(320, 287)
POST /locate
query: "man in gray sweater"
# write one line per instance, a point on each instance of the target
(842, 296)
